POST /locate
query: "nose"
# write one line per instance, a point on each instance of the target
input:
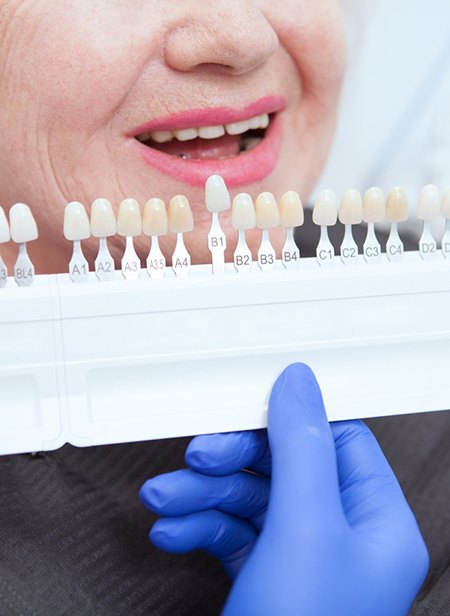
(226, 36)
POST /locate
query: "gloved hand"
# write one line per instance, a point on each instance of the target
(338, 537)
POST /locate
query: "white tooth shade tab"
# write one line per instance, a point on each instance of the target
(397, 205)
(351, 208)
(243, 215)
(5, 235)
(155, 222)
(103, 221)
(374, 205)
(217, 196)
(180, 215)
(129, 221)
(22, 225)
(291, 210)
(429, 203)
(445, 207)
(267, 212)
(76, 222)
(325, 209)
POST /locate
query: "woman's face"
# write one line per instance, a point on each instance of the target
(81, 79)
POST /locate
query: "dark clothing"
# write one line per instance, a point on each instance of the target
(73, 535)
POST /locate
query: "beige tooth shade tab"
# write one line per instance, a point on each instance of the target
(129, 222)
(76, 222)
(445, 207)
(374, 206)
(5, 235)
(351, 208)
(291, 210)
(267, 213)
(243, 215)
(103, 221)
(22, 225)
(217, 197)
(325, 209)
(180, 215)
(429, 203)
(397, 205)
(155, 222)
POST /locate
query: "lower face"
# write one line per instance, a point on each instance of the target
(104, 100)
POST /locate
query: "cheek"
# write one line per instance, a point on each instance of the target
(74, 60)
(312, 33)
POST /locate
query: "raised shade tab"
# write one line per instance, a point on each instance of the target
(291, 210)
(22, 224)
(216, 194)
(374, 205)
(429, 203)
(129, 222)
(445, 207)
(325, 209)
(243, 215)
(103, 221)
(155, 218)
(5, 235)
(267, 213)
(180, 215)
(351, 209)
(397, 205)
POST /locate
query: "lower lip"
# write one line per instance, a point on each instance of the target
(246, 168)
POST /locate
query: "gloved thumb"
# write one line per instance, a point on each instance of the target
(304, 471)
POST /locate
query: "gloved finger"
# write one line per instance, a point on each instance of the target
(183, 492)
(223, 454)
(304, 472)
(369, 488)
(227, 538)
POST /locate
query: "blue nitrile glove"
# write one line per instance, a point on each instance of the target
(338, 537)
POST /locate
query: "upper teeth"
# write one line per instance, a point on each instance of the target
(207, 132)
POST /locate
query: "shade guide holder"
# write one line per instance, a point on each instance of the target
(91, 364)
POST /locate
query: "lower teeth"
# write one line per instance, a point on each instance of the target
(249, 144)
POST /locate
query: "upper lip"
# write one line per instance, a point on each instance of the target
(214, 116)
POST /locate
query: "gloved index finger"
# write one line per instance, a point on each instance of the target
(304, 471)
(223, 454)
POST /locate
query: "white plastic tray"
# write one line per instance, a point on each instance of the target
(125, 361)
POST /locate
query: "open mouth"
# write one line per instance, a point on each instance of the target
(219, 142)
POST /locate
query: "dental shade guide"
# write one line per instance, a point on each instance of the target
(154, 225)
(325, 215)
(77, 228)
(445, 212)
(396, 212)
(23, 230)
(350, 213)
(185, 352)
(291, 217)
(217, 200)
(129, 225)
(180, 221)
(243, 218)
(267, 217)
(374, 211)
(103, 226)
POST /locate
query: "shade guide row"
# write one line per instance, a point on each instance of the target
(265, 213)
